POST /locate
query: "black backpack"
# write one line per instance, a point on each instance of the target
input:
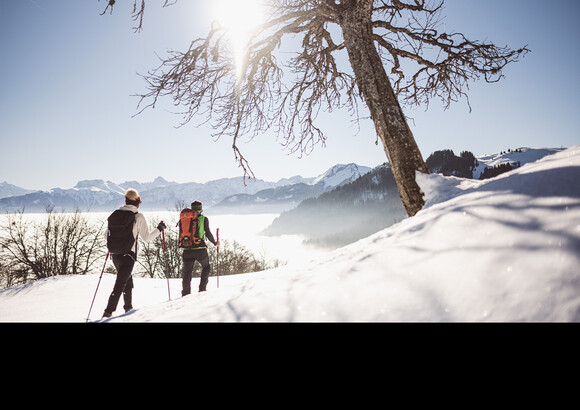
(120, 238)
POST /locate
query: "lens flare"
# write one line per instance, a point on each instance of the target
(239, 18)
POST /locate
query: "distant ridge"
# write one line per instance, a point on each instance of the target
(100, 195)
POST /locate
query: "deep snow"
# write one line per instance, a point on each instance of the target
(505, 249)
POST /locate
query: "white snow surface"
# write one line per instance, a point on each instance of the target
(506, 249)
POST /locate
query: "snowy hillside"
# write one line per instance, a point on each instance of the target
(505, 249)
(346, 213)
(521, 156)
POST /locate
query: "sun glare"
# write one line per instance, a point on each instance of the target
(238, 18)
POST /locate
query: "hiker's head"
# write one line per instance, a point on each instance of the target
(132, 197)
(197, 206)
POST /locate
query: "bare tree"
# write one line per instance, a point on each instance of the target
(62, 244)
(396, 52)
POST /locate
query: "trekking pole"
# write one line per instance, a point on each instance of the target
(95, 295)
(218, 257)
(166, 264)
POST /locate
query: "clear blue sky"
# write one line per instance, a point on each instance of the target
(68, 76)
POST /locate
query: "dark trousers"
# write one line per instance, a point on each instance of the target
(189, 257)
(124, 283)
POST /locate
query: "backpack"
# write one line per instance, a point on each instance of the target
(190, 234)
(120, 238)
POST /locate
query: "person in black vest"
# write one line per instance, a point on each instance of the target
(124, 262)
(197, 252)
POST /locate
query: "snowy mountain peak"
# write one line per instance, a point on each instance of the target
(296, 179)
(160, 181)
(341, 174)
(98, 184)
(7, 190)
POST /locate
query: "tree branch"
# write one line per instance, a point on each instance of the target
(445, 63)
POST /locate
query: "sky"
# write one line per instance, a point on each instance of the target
(69, 75)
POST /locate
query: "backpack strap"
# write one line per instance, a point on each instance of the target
(201, 224)
(137, 234)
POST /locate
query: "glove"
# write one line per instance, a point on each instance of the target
(161, 226)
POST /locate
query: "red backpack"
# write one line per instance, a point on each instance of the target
(187, 224)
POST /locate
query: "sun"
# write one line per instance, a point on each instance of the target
(239, 18)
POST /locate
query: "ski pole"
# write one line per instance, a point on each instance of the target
(166, 264)
(95, 295)
(218, 257)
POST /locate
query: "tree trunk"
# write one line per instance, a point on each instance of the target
(390, 123)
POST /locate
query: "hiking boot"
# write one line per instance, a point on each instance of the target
(107, 314)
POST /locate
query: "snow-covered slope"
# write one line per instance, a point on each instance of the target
(519, 156)
(503, 249)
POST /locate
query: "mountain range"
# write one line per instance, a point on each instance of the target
(221, 196)
(231, 195)
(281, 198)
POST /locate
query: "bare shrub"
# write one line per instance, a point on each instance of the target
(59, 244)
